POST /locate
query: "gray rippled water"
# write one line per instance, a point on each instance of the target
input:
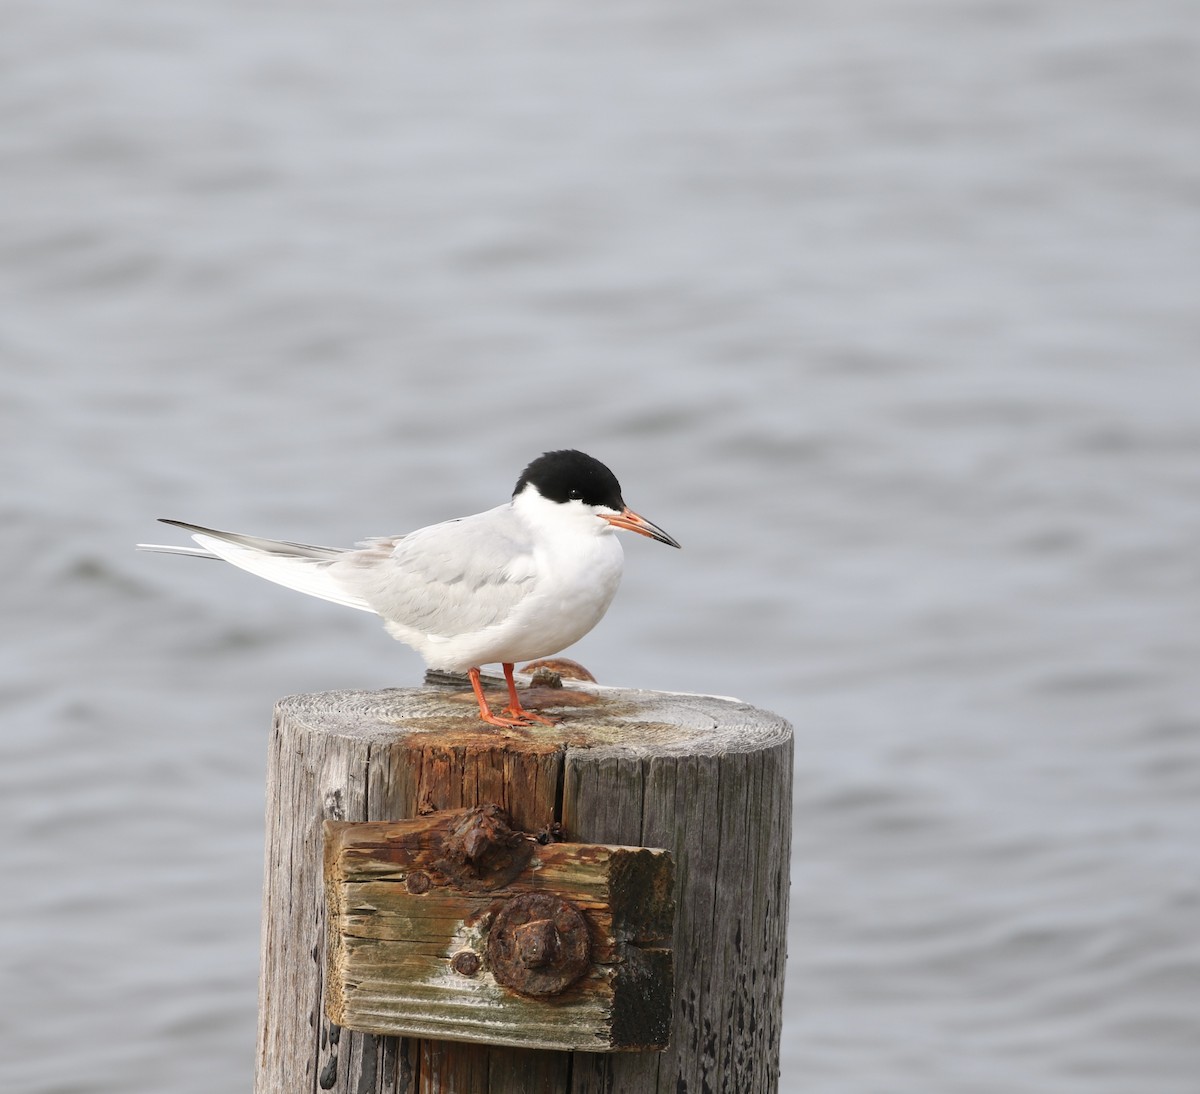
(887, 311)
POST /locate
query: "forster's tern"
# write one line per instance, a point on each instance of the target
(514, 583)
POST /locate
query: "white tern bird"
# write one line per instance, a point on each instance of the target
(514, 583)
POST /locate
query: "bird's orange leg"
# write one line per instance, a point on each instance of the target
(485, 712)
(514, 702)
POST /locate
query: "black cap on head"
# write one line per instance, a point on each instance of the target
(568, 475)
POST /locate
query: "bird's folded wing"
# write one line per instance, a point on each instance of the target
(445, 580)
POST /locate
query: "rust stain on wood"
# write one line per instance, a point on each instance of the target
(397, 951)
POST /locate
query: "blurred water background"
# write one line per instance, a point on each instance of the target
(886, 310)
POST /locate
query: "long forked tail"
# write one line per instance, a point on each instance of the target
(167, 549)
(299, 566)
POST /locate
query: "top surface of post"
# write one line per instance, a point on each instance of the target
(616, 720)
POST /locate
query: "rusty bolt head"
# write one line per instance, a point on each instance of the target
(465, 963)
(417, 882)
(538, 944)
(476, 842)
(482, 851)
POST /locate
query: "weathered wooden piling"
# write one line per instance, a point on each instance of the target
(708, 779)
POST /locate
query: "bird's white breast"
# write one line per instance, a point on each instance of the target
(576, 581)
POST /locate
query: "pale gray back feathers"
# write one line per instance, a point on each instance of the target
(443, 580)
(437, 582)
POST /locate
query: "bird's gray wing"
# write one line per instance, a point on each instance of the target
(448, 579)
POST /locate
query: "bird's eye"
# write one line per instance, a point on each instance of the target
(575, 494)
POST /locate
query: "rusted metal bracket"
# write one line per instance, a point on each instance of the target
(457, 927)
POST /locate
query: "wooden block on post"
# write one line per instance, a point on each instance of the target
(707, 778)
(453, 926)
